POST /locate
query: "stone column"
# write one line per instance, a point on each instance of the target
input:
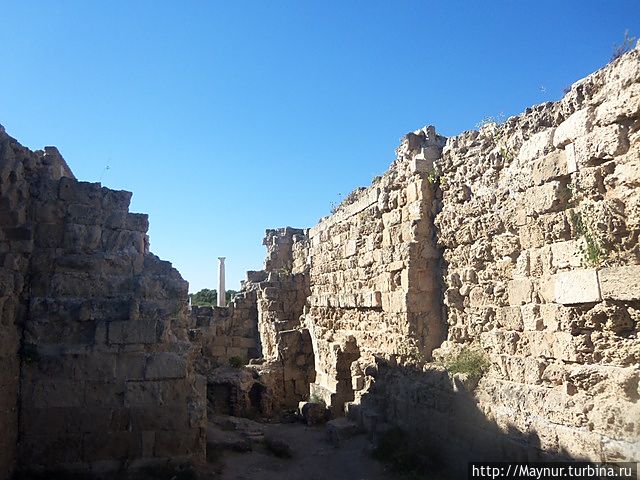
(222, 293)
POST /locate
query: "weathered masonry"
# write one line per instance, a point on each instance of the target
(519, 242)
(97, 367)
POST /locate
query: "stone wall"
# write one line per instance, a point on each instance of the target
(286, 344)
(106, 376)
(228, 332)
(373, 274)
(518, 242)
(540, 224)
(19, 168)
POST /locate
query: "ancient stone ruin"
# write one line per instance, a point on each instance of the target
(512, 250)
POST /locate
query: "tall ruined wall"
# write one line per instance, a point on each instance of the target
(374, 274)
(18, 169)
(282, 295)
(105, 370)
(539, 224)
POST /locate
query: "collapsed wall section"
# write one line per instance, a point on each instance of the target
(286, 344)
(105, 361)
(374, 286)
(228, 333)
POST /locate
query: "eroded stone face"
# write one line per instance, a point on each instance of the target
(563, 332)
(105, 362)
(520, 240)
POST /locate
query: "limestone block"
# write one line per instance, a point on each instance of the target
(510, 318)
(577, 125)
(394, 301)
(566, 254)
(131, 366)
(421, 165)
(350, 248)
(137, 222)
(625, 105)
(542, 199)
(537, 146)
(537, 344)
(97, 366)
(72, 190)
(430, 152)
(81, 237)
(620, 283)
(478, 297)
(550, 313)
(546, 288)
(138, 331)
(519, 291)
(114, 200)
(579, 443)
(165, 365)
(163, 417)
(531, 318)
(550, 167)
(243, 342)
(372, 300)
(391, 218)
(572, 162)
(57, 393)
(142, 393)
(237, 352)
(85, 215)
(414, 192)
(577, 286)
(601, 144)
(52, 450)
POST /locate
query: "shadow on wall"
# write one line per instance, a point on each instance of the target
(444, 427)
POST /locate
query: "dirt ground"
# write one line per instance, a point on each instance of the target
(313, 457)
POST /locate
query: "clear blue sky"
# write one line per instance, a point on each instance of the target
(226, 118)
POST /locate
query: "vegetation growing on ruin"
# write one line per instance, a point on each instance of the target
(591, 248)
(286, 269)
(470, 360)
(625, 46)
(236, 362)
(348, 200)
(497, 136)
(315, 398)
(434, 177)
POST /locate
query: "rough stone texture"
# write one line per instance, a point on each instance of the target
(620, 283)
(542, 275)
(533, 226)
(261, 326)
(19, 168)
(373, 274)
(227, 332)
(286, 343)
(105, 367)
